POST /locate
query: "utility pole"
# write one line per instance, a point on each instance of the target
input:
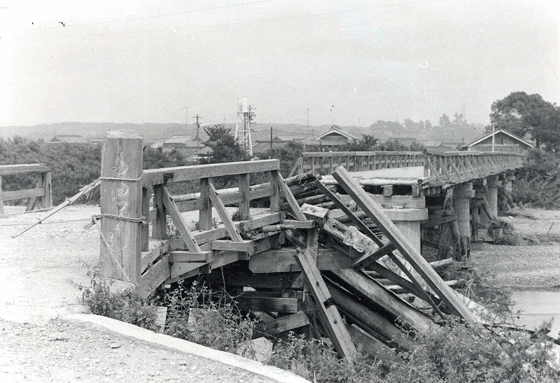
(271, 137)
(308, 121)
(197, 130)
(186, 125)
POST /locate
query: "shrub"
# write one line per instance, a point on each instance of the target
(126, 305)
(205, 317)
(317, 361)
(460, 354)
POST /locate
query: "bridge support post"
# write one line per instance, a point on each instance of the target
(408, 222)
(462, 195)
(121, 206)
(492, 195)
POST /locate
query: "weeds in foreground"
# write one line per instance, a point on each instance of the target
(125, 305)
(317, 361)
(460, 354)
(205, 317)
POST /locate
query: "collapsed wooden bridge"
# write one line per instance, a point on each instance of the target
(300, 249)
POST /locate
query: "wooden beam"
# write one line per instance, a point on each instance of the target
(289, 197)
(154, 277)
(389, 301)
(372, 346)
(282, 324)
(6, 170)
(329, 315)
(222, 212)
(195, 172)
(179, 222)
(371, 318)
(366, 259)
(376, 214)
(248, 247)
(179, 256)
(268, 304)
(244, 205)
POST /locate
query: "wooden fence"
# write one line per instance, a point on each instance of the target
(137, 207)
(39, 197)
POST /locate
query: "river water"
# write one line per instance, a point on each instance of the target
(538, 306)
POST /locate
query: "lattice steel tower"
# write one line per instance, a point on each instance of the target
(243, 125)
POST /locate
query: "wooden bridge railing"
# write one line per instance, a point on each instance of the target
(137, 207)
(457, 167)
(439, 167)
(326, 162)
(40, 197)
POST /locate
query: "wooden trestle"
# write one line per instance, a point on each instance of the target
(306, 256)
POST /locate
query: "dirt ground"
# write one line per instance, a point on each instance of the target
(534, 266)
(37, 286)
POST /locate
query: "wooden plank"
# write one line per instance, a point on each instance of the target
(33, 200)
(329, 315)
(205, 206)
(159, 226)
(222, 212)
(244, 205)
(268, 304)
(370, 318)
(244, 226)
(366, 259)
(308, 224)
(46, 184)
(145, 229)
(195, 172)
(390, 302)
(244, 278)
(6, 170)
(376, 214)
(154, 277)
(315, 213)
(248, 247)
(289, 197)
(152, 254)
(372, 346)
(20, 194)
(179, 256)
(282, 324)
(283, 261)
(177, 218)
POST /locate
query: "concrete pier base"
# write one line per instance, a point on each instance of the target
(461, 204)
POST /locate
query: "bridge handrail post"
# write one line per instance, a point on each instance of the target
(122, 206)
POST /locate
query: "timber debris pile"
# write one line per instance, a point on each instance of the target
(339, 263)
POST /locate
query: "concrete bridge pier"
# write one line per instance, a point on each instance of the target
(408, 222)
(492, 195)
(462, 195)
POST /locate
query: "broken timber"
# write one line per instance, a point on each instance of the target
(376, 214)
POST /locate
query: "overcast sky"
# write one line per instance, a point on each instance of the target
(349, 62)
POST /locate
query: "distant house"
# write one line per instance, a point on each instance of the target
(71, 139)
(499, 141)
(332, 138)
(190, 155)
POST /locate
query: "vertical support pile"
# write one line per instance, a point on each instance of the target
(121, 207)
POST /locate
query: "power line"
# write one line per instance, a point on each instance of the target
(307, 16)
(70, 25)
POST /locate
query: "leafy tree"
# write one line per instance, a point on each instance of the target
(444, 121)
(223, 145)
(287, 154)
(524, 114)
(366, 143)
